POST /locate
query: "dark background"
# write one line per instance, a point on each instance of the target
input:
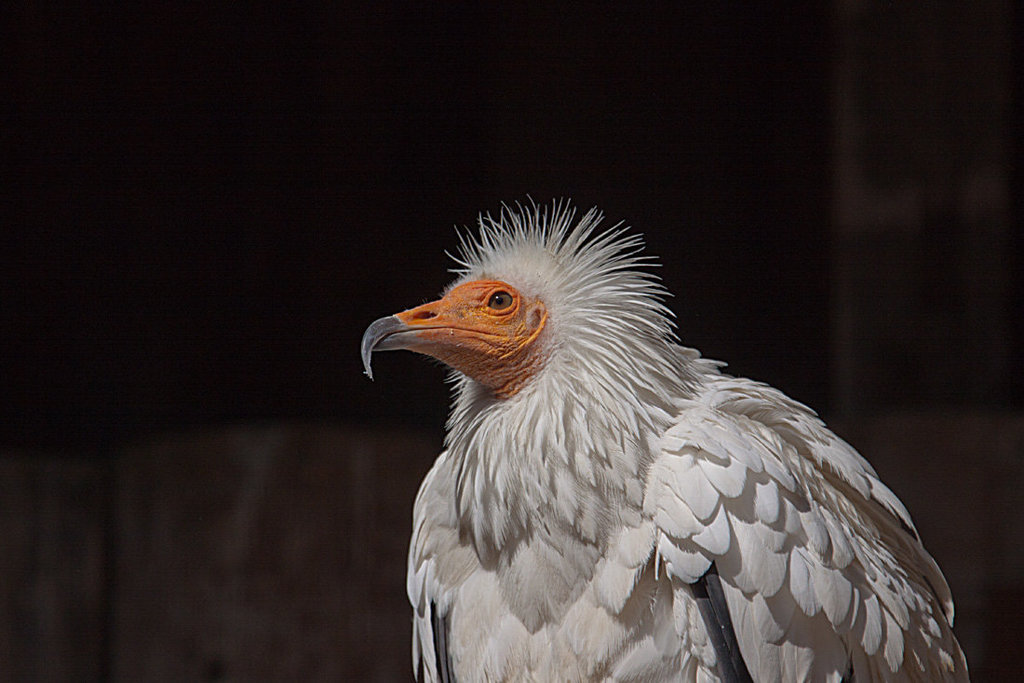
(205, 207)
(212, 206)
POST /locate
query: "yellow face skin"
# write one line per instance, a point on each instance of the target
(485, 329)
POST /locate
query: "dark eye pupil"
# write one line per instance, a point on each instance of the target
(500, 300)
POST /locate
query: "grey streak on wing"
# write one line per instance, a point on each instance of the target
(442, 657)
(715, 612)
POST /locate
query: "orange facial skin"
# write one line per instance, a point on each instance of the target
(485, 329)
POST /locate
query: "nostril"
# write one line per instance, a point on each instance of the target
(424, 315)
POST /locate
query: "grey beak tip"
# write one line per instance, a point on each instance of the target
(366, 351)
(375, 334)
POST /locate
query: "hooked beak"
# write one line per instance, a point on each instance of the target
(377, 338)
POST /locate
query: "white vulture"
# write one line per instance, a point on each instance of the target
(610, 506)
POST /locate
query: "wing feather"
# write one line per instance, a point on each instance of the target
(716, 536)
(728, 478)
(872, 614)
(756, 566)
(766, 500)
(683, 559)
(819, 561)
(893, 643)
(696, 491)
(766, 622)
(800, 584)
(834, 590)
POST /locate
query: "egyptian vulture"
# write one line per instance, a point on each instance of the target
(610, 506)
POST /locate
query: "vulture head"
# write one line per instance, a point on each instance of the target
(542, 295)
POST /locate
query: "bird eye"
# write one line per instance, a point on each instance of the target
(500, 301)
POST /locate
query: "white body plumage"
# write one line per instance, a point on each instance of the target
(559, 534)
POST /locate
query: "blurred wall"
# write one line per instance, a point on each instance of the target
(205, 207)
(928, 305)
(927, 248)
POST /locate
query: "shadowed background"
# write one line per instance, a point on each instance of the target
(204, 208)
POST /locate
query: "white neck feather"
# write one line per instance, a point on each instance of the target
(612, 373)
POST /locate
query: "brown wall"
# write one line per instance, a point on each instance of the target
(278, 552)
